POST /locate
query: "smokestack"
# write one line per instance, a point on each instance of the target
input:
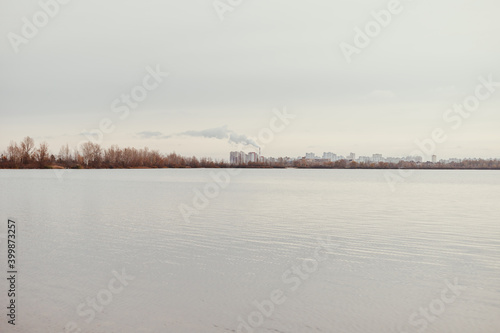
(259, 151)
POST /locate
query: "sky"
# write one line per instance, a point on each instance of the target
(204, 77)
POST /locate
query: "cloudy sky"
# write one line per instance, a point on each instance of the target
(229, 66)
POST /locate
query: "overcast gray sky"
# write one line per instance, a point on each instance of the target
(230, 74)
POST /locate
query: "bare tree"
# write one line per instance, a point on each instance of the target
(112, 156)
(27, 147)
(65, 154)
(42, 154)
(92, 154)
(155, 158)
(128, 157)
(14, 153)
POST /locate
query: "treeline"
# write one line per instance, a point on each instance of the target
(467, 164)
(26, 155)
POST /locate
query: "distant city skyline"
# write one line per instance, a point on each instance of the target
(240, 157)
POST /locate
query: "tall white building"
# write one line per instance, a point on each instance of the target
(237, 157)
(242, 158)
(330, 156)
(311, 156)
(377, 158)
(233, 157)
(252, 157)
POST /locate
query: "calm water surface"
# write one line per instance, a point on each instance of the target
(345, 252)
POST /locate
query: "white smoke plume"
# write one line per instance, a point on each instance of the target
(221, 133)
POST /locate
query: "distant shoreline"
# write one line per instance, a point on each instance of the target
(91, 155)
(58, 167)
